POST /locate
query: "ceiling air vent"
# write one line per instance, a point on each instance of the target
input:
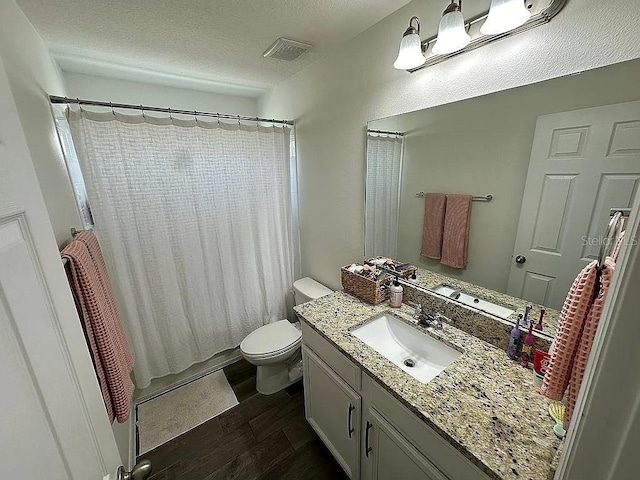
(285, 49)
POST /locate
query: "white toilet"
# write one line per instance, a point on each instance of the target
(275, 348)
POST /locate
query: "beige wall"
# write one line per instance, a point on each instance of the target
(482, 146)
(33, 75)
(333, 99)
(94, 87)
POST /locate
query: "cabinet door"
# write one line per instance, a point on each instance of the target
(389, 456)
(333, 410)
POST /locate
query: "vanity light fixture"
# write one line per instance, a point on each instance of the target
(504, 16)
(457, 35)
(410, 53)
(452, 32)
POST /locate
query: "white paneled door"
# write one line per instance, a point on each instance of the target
(53, 423)
(583, 163)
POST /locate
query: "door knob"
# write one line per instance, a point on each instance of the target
(140, 471)
(520, 259)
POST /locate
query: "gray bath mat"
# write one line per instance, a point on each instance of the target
(178, 411)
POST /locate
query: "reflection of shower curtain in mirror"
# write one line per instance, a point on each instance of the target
(384, 164)
(197, 223)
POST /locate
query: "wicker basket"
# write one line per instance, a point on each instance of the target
(371, 291)
(368, 290)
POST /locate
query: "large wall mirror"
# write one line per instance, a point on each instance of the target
(555, 156)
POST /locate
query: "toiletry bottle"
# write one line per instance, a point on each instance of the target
(539, 325)
(514, 341)
(395, 297)
(525, 320)
(527, 347)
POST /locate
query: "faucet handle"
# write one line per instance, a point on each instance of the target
(417, 306)
(442, 318)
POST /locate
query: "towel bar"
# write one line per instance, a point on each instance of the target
(484, 198)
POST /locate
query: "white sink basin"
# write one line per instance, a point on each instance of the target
(403, 345)
(475, 302)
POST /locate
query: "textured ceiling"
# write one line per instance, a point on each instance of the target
(219, 41)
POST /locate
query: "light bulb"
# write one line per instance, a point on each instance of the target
(505, 15)
(410, 54)
(452, 35)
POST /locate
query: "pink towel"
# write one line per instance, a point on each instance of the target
(586, 341)
(434, 205)
(108, 345)
(565, 346)
(455, 239)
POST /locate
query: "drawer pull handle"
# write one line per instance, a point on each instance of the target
(349, 423)
(367, 448)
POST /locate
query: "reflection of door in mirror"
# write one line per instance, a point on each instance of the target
(384, 164)
(583, 163)
(484, 145)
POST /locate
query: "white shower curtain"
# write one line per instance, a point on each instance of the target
(384, 166)
(196, 220)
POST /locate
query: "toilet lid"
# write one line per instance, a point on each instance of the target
(270, 338)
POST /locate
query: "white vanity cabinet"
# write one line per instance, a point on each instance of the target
(369, 432)
(333, 409)
(388, 455)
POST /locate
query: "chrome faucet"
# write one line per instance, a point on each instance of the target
(426, 319)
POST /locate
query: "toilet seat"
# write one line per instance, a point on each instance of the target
(271, 340)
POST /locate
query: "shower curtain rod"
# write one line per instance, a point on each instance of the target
(400, 134)
(78, 101)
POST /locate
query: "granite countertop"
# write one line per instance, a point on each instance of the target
(430, 280)
(483, 404)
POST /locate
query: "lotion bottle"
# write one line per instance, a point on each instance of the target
(395, 297)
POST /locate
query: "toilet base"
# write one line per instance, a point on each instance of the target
(271, 379)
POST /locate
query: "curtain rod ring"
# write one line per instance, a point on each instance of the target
(170, 114)
(218, 118)
(112, 110)
(239, 120)
(195, 116)
(79, 104)
(142, 110)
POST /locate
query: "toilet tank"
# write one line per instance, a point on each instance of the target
(307, 289)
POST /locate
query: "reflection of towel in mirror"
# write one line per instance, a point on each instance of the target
(455, 237)
(434, 205)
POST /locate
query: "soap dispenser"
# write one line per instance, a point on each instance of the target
(395, 297)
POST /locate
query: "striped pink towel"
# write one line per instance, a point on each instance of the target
(434, 205)
(455, 239)
(586, 341)
(110, 351)
(564, 348)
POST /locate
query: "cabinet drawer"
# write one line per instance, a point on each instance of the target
(442, 454)
(336, 360)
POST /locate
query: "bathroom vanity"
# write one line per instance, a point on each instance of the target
(479, 418)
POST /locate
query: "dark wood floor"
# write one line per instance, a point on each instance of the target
(264, 437)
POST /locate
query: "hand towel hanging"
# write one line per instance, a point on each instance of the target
(432, 226)
(455, 238)
(108, 345)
